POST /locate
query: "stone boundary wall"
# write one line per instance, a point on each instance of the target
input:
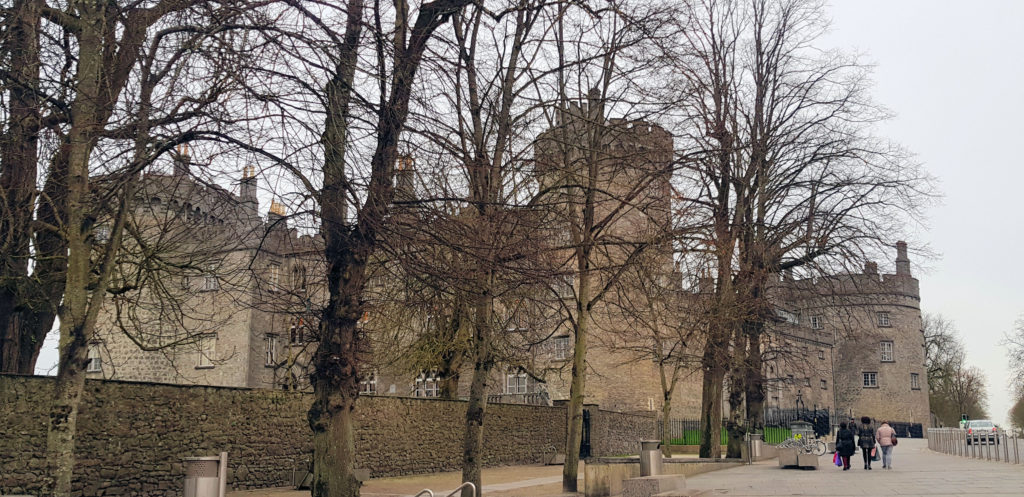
(132, 436)
(618, 434)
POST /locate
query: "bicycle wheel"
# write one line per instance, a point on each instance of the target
(820, 448)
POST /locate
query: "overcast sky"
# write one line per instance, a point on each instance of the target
(952, 72)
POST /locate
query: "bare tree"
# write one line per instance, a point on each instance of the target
(1014, 343)
(791, 175)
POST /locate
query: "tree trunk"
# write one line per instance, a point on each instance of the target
(335, 389)
(473, 441)
(19, 341)
(75, 326)
(574, 411)
(755, 378)
(666, 432)
(734, 427)
(63, 417)
(711, 402)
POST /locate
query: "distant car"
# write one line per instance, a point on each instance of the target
(982, 431)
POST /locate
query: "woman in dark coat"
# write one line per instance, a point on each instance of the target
(844, 445)
(866, 440)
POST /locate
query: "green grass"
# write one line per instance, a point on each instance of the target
(692, 437)
(776, 435)
(771, 435)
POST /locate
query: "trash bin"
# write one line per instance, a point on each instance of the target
(650, 457)
(206, 476)
(755, 444)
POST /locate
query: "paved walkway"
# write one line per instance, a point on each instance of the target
(918, 472)
(507, 481)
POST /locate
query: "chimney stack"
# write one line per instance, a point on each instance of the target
(276, 216)
(902, 262)
(247, 189)
(870, 267)
(405, 189)
(182, 160)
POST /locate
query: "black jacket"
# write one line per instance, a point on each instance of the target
(844, 443)
(866, 437)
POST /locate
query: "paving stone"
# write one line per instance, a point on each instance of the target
(917, 472)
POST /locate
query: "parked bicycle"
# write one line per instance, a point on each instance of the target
(808, 446)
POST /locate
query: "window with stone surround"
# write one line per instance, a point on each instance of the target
(210, 281)
(886, 347)
(426, 385)
(368, 385)
(817, 323)
(207, 350)
(296, 334)
(915, 381)
(273, 275)
(883, 320)
(824, 384)
(270, 349)
(95, 364)
(515, 382)
(560, 347)
(807, 382)
(821, 354)
(870, 379)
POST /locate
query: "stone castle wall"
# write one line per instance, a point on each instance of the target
(132, 437)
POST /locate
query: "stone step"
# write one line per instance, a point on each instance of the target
(649, 486)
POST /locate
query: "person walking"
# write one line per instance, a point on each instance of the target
(886, 437)
(866, 440)
(845, 445)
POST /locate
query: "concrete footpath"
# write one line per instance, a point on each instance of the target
(917, 472)
(507, 481)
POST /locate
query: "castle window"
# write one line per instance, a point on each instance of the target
(789, 317)
(561, 347)
(790, 380)
(824, 384)
(871, 379)
(515, 382)
(270, 349)
(883, 320)
(296, 334)
(807, 382)
(368, 385)
(210, 281)
(887, 351)
(426, 385)
(95, 364)
(821, 354)
(299, 277)
(207, 350)
(273, 275)
(102, 233)
(915, 381)
(817, 323)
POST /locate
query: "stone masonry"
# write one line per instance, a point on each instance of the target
(132, 437)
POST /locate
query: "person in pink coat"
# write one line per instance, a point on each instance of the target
(886, 437)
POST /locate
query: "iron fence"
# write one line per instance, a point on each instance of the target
(775, 430)
(999, 446)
